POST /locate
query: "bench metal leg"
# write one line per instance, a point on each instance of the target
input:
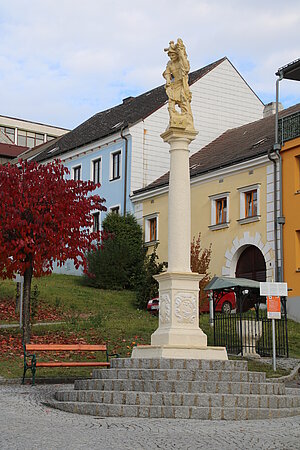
(33, 370)
(24, 373)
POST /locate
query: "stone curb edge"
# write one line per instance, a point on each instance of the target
(65, 380)
(290, 377)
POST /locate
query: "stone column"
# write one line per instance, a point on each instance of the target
(179, 334)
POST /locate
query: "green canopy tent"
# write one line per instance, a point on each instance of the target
(246, 291)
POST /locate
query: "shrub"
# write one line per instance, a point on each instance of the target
(120, 260)
(146, 286)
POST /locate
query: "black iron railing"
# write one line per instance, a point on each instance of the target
(250, 333)
(289, 127)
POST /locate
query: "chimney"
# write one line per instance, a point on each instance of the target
(270, 109)
(127, 99)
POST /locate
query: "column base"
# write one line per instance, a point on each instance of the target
(179, 352)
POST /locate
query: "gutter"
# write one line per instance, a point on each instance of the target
(125, 169)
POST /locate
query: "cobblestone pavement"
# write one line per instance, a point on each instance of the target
(26, 423)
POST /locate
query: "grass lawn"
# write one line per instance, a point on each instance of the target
(93, 316)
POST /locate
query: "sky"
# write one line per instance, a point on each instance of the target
(63, 61)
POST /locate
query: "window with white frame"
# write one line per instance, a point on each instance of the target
(115, 162)
(115, 209)
(76, 173)
(9, 132)
(219, 211)
(151, 228)
(249, 203)
(96, 170)
(96, 222)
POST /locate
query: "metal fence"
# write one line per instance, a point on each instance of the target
(250, 333)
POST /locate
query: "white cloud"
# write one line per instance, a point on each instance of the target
(62, 61)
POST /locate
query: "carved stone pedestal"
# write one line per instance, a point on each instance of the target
(179, 335)
(179, 312)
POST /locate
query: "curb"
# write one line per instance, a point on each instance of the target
(292, 376)
(65, 380)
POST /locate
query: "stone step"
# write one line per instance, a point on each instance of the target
(174, 399)
(224, 387)
(179, 412)
(180, 375)
(190, 364)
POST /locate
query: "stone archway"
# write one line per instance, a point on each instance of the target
(251, 264)
(233, 254)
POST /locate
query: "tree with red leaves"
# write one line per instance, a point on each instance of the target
(200, 260)
(44, 218)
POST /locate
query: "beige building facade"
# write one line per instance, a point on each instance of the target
(233, 235)
(232, 202)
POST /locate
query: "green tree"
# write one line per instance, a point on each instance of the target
(119, 261)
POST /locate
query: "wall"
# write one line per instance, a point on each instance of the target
(111, 191)
(291, 230)
(227, 243)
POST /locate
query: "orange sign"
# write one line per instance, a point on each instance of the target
(274, 307)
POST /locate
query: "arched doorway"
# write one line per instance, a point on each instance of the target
(251, 264)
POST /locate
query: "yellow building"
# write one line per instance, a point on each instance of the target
(232, 203)
(290, 153)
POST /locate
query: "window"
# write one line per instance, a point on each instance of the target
(9, 132)
(77, 173)
(116, 165)
(29, 138)
(151, 229)
(249, 204)
(219, 211)
(96, 222)
(115, 209)
(97, 170)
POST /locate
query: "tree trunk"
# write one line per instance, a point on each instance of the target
(18, 297)
(26, 304)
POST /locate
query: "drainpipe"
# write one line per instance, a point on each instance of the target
(277, 149)
(271, 158)
(277, 220)
(125, 170)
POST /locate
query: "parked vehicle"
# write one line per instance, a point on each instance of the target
(225, 305)
(153, 306)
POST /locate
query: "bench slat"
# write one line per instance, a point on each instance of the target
(65, 347)
(72, 364)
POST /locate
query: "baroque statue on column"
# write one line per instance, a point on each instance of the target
(177, 86)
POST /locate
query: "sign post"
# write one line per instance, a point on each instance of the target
(273, 292)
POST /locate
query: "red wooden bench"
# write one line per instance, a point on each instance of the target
(31, 361)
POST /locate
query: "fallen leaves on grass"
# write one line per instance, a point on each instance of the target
(45, 313)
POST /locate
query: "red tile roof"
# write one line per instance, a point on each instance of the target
(11, 150)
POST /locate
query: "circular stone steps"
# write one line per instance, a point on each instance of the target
(180, 375)
(165, 388)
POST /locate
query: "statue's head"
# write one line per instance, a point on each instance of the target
(171, 50)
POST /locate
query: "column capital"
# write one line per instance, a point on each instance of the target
(176, 133)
